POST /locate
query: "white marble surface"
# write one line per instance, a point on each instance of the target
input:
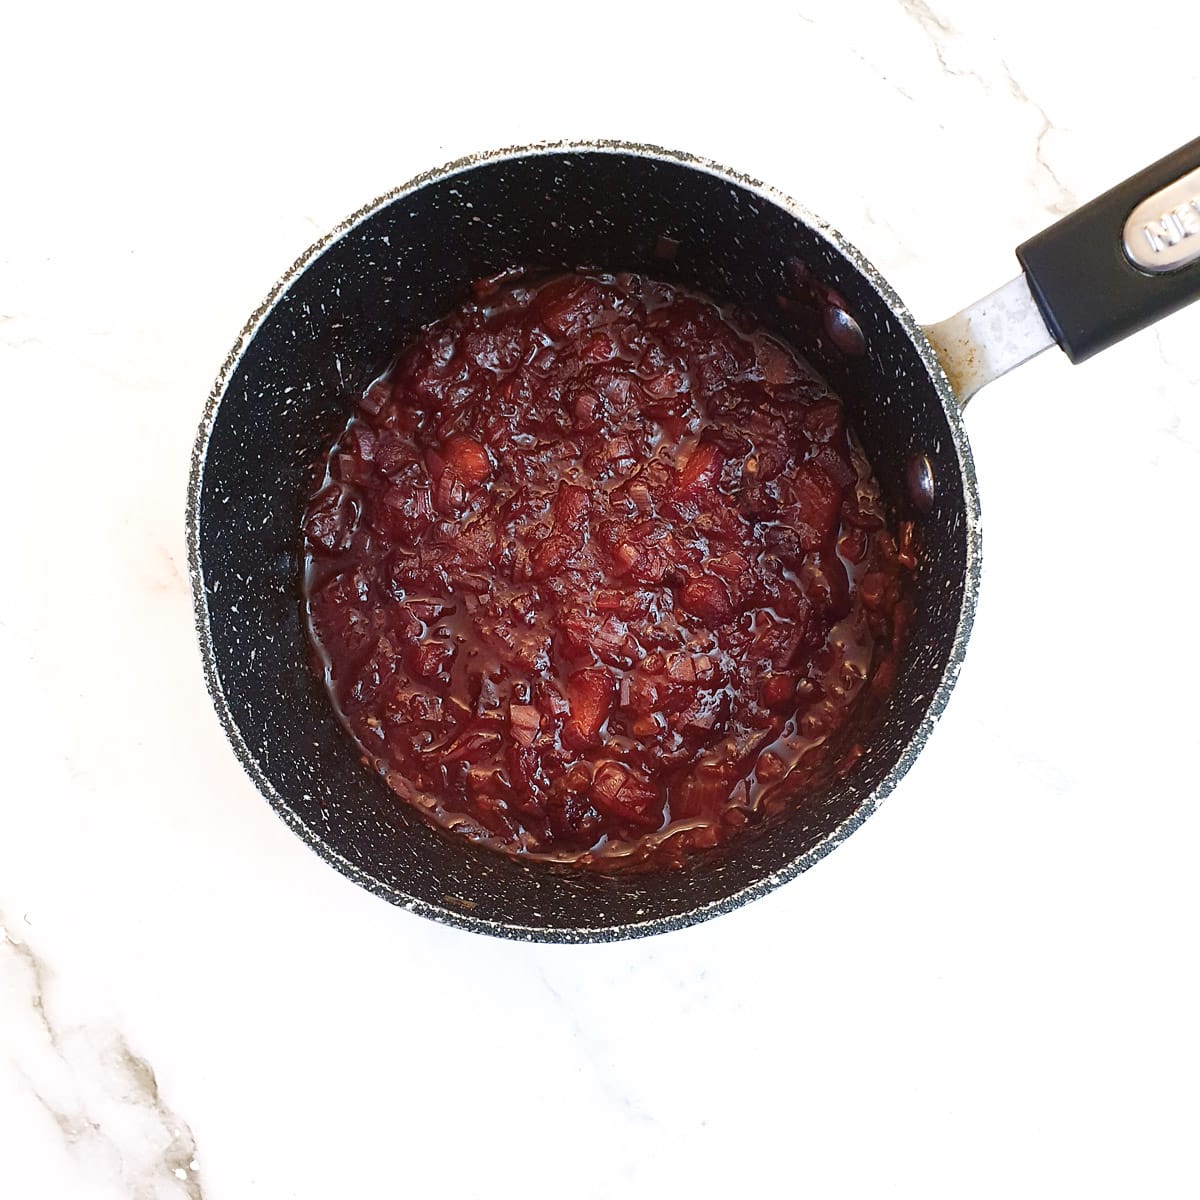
(990, 990)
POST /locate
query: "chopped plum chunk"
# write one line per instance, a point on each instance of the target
(468, 460)
(708, 599)
(589, 695)
(702, 471)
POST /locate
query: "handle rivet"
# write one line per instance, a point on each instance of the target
(918, 477)
(845, 332)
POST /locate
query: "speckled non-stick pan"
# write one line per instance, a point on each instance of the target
(336, 318)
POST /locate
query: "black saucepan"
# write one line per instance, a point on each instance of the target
(335, 319)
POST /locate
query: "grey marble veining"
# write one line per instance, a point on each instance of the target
(102, 1095)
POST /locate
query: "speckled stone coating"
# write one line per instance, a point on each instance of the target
(334, 321)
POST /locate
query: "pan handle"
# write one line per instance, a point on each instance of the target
(1110, 268)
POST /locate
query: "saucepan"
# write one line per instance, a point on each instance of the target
(337, 316)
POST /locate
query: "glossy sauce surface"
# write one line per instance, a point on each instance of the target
(595, 574)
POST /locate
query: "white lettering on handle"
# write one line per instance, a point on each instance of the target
(1163, 232)
(1172, 227)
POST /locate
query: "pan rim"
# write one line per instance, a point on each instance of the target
(759, 887)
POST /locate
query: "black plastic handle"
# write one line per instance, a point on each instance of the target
(1089, 291)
